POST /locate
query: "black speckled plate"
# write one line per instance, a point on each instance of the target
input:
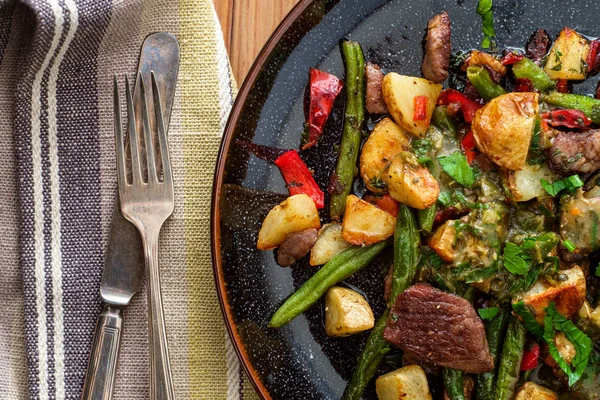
(299, 361)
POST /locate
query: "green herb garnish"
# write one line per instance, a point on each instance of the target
(570, 183)
(488, 314)
(484, 8)
(513, 259)
(569, 245)
(457, 167)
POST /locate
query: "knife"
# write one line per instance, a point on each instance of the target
(124, 263)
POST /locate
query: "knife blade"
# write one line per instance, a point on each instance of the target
(124, 263)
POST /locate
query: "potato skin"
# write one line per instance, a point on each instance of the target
(533, 391)
(383, 144)
(346, 312)
(567, 57)
(329, 243)
(399, 92)
(411, 183)
(365, 223)
(443, 241)
(503, 128)
(294, 214)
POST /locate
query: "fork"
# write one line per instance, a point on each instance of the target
(147, 205)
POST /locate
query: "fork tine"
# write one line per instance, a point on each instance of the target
(152, 177)
(162, 135)
(121, 175)
(133, 136)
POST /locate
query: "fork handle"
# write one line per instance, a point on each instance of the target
(161, 381)
(102, 366)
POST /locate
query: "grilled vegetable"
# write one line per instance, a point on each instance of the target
(411, 183)
(533, 391)
(365, 223)
(510, 360)
(294, 214)
(354, 117)
(399, 92)
(486, 87)
(407, 383)
(329, 243)
(567, 57)
(527, 69)
(346, 312)
(589, 105)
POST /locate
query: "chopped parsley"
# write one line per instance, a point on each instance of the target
(484, 8)
(554, 322)
(570, 183)
(457, 167)
(513, 259)
(488, 314)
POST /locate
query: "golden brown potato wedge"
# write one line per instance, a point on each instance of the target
(329, 243)
(444, 240)
(294, 214)
(568, 294)
(399, 92)
(533, 391)
(567, 57)
(406, 383)
(503, 128)
(386, 140)
(365, 223)
(526, 184)
(346, 312)
(411, 183)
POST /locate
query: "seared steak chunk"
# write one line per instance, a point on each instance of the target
(295, 246)
(437, 49)
(575, 152)
(374, 103)
(440, 328)
(538, 45)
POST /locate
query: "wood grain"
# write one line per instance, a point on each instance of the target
(247, 24)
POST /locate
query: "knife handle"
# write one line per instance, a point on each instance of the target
(102, 366)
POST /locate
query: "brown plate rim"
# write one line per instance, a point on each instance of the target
(215, 220)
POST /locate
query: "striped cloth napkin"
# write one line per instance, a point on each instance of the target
(58, 185)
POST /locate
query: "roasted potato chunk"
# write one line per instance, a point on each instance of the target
(365, 223)
(294, 214)
(568, 294)
(411, 183)
(481, 58)
(533, 391)
(525, 184)
(399, 93)
(444, 240)
(406, 383)
(503, 128)
(567, 57)
(346, 312)
(329, 243)
(386, 140)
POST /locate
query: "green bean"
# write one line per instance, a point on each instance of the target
(530, 70)
(406, 258)
(589, 106)
(481, 79)
(510, 361)
(342, 266)
(494, 331)
(453, 382)
(441, 120)
(407, 251)
(352, 134)
(369, 360)
(427, 218)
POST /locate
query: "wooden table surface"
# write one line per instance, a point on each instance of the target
(247, 24)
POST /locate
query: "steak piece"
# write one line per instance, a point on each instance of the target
(437, 48)
(374, 101)
(575, 152)
(538, 45)
(439, 328)
(295, 246)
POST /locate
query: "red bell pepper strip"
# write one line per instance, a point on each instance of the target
(324, 88)
(298, 177)
(467, 106)
(385, 203)
(562, 86)
(593, 59)
(468, 145)
(511, 57)
(530, 358)
(568, 118)
(420, 106)
(524, 85)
